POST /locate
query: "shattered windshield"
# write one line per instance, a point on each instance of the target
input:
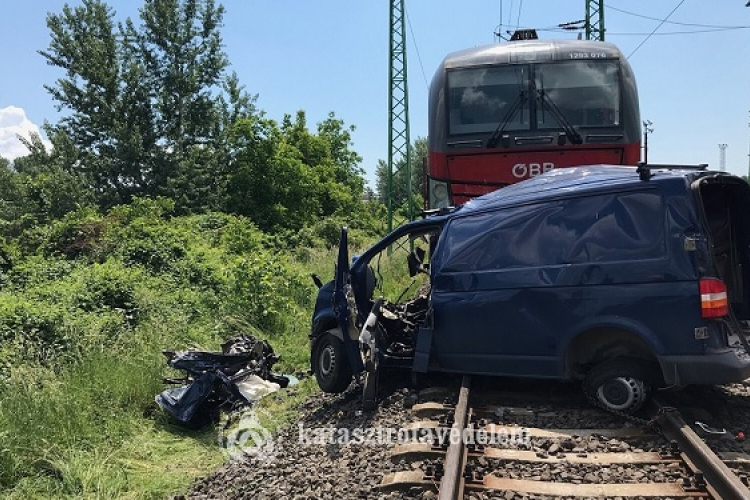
(587, 93)
(401, 269)
(479, 99)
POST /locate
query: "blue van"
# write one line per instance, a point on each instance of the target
(626, 278)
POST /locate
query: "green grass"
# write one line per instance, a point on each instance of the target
(81, 337)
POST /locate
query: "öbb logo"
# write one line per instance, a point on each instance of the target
(523, 170)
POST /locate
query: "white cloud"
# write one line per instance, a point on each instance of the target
(13, 122)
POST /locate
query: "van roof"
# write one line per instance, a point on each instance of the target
(564, 182)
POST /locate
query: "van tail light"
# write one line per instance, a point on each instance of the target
(714, 303)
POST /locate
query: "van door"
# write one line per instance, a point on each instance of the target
(514, 286)
(725, 204)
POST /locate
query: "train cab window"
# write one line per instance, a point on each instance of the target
(481, 98)
(587, 93)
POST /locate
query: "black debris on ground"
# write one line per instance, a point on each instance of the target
(212, 380)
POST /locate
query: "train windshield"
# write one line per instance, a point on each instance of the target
(587, 93)
(482, 98)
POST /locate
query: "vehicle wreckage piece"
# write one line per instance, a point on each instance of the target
(215, 379)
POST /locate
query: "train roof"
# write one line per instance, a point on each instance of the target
(531, 51)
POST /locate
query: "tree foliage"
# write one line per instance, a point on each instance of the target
(401, 184)
(37, 189)
(284, 176)
(152, 110)
(149, 105)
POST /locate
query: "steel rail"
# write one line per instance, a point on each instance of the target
(721, 482)
(451, 485)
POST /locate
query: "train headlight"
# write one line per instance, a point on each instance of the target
(439, 194)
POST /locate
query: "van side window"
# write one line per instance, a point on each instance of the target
(603, 228)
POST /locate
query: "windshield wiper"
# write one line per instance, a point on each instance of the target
(570, 131)
(509, 115)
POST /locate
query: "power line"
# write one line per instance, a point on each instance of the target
(416, 46)
(499, 26)
(609, 7)
(562, 29)
(669, 33)
(518, 19)
(691, 32)
(655, 29)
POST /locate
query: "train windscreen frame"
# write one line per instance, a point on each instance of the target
(587, 93)
(480, 98)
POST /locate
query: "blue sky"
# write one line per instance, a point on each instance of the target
(332, 55)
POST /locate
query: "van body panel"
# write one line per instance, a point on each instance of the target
(474, 328)
(721, 366)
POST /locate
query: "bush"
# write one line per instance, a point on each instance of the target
(264, 290)
(31, 331)
(78, 234)
(239, 235)
(86, 308)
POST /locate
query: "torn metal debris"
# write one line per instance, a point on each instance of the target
(238, 375)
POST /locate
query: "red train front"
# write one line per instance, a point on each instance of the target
(503, 113)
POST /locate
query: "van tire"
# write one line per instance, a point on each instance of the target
(620, 385)
(330, 365)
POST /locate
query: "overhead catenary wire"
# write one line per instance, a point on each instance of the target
(416, 47)
(568, 27)
(563, 29)
(500, 25)
(696, 25)
(668, 33)
(510, 12)
(690, 32)
(655, 29)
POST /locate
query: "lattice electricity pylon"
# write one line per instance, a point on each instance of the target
(399, 144)
(595, 20)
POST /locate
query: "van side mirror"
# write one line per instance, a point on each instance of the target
(415, 259)
(413, 263)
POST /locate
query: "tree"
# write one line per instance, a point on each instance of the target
(11, 197)
(185, 68)
(339, 142)
(150, 104)
(271, 184)
(284, 176)
(37, 189)
(84, 44)
(328, 154)
(400, 183)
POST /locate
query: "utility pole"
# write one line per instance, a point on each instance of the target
(647, 129)
(399, 143)
(723, 157)
(595, 20)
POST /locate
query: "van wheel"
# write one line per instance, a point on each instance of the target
(331, 367)
(620, 385)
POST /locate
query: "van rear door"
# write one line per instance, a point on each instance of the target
(725, 207)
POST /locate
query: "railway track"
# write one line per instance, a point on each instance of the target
(476, 450)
